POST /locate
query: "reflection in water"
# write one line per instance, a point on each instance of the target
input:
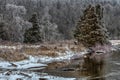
(95, 69)
(91, 69)
(98, 79)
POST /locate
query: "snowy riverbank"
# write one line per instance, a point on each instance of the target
(25, 69)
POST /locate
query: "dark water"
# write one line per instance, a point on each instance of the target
(108, 70)
(113, 67)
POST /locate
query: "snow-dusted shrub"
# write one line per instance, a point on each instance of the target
(15, 10)
(17, 25)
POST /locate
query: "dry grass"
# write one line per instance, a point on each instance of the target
(52, 50)
(45, 49)
(11, 55)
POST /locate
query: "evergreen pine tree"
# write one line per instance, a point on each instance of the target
(90, 30)
(3, 35)
(33, 34)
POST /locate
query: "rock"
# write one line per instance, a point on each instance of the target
(68, 69)
(43, 79)
(19, 79)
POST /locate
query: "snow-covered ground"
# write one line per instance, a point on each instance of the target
(35, 62)
(15, 70)
(24, 70)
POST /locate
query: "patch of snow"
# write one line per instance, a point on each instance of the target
(22, 62)
(57, 78)
(15, 77)
(67, 57)
(26, 64)
(31, 65)
(46, 59)
(32, 46)
(11, 47)
(33, 59)
(115, 42)
(4, 64)
(117, 63)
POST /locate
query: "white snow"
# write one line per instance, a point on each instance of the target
(33, 46)
(57, 78)
(46, 59)
(4, 64)
(22, 67)
(18, 46)
(11, 47)
(14, 77)
(115, 42)
(31, 65)
(32, 76)
(25, 64)
(35, 62)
